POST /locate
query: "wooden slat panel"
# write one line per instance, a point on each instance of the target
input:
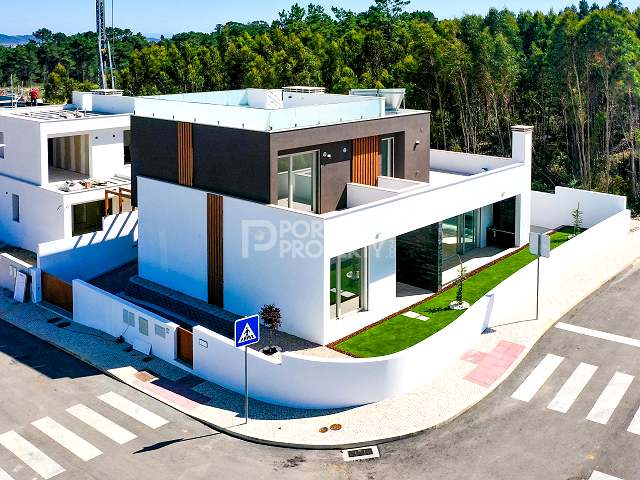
(57, 292)
(185, 154)
(364, 164)
(215, 249)
(185, 345)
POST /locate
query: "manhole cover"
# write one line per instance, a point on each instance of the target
(323, 430)
(361, 453)
(145, 376)
(335, 426)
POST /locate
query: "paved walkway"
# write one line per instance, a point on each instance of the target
(459, 387)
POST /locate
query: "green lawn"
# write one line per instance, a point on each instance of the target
(401, 332)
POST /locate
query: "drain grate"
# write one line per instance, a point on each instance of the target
(361, 453)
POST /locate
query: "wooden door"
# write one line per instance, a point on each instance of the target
(57, 292)
(185, 345)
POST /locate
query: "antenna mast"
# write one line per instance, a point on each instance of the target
(104, 49)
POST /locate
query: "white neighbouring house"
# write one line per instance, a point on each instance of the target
(55, 164)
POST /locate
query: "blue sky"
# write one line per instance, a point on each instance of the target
(170, 16)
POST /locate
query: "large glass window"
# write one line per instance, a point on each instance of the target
(460, 234)
(298, 181)
(386, 157)
(348, 283)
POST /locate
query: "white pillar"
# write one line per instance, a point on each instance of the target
(522, 138)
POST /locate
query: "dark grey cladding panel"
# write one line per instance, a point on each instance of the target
(154, 150)
(419, 258)
(232, 162)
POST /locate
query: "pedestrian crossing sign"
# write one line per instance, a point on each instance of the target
(247, 331)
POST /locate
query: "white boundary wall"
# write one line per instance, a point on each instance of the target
(313, 382)
(554, 209)
(98, 309)
(92, 254)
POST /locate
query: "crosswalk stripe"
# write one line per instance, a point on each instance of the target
(69, 440)
(134, 410)
(4, 475)
(537, 378)
(634, 426)
(610, 398)
(29, 454)
(572, 388)
(602, 476)
(102, 424)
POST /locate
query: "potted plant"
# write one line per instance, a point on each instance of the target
(459, 303)
(272, 319)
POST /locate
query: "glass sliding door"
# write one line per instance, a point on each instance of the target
(469, 237)
(460, 234)
(348, 283)
(450, 237)
(386, 157)
(298, 181)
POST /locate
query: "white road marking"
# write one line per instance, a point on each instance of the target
(134, 410)
(29, 454)
(572, 388)
(634, 426)
(633, 342)
(69, 440)
(537, 378)
(610, 398)
(102, 424)
(602, 476)
(4, 475)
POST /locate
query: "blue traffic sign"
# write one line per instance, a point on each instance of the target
(247, 331)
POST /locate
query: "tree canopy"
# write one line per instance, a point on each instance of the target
(574, 74)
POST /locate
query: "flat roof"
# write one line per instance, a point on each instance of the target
(48, 114)
(265, 110)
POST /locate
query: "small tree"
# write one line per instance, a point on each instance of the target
(462, 276)
(577, 220)
(272, 319)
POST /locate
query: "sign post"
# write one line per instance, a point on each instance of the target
(247, 332)
(540, 246)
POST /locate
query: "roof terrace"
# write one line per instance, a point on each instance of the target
(265, 110)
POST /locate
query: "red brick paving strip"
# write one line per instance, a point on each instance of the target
(491, 366)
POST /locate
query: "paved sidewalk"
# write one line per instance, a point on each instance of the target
(463, 384)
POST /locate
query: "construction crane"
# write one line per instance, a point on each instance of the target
(104, 49)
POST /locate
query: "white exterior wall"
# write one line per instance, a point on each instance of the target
(274, 255)
(98, 309)
(42, 214)
(92, 254)
(348, 230)
(24, 151)
(553, 210)
(314, 382)
(173, 236)
(107, 153)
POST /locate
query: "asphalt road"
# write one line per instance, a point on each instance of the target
(38, 381)
(501, 438)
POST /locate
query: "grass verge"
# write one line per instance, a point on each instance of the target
(399, 332)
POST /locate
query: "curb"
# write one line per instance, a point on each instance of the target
(293, 445)
(257, 440)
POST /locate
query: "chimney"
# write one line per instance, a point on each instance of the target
(521, 144)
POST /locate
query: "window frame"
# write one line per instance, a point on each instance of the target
(391, 141)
